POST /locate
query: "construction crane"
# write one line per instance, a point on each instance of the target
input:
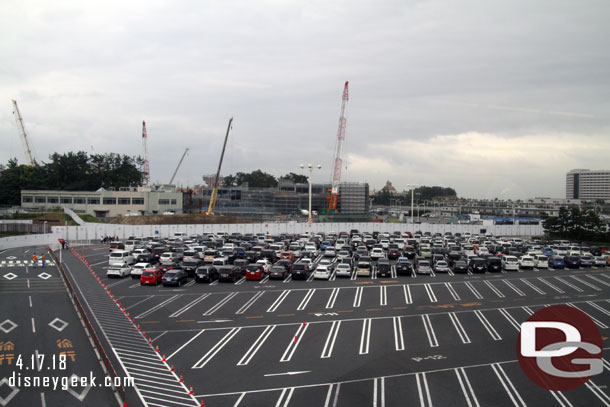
(215, 190)
(146, 167)
(178, 167)
(338, 162)
(23, 135)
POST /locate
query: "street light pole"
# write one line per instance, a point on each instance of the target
(412, 187)
(310, 167)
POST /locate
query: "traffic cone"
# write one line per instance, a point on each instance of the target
(191, 392)
(149, 341)
(172, 369)
(181, 379)
(202, 403)
(295, 339)
(163, 360)
(157, 349)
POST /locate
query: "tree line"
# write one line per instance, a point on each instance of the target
(260, 179)
(576, 225)
(70, 171)
(423, 193)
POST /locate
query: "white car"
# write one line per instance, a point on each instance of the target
(377, 253)
(136, 270)
(600, 261)
(322, 272)
(510, 263)
(526, 262)
(542, 261)
(265, 263)
(169, 257)
(118, 271)
(343, 270)
(385, 243)
(441, 266)
(363, 269)
(482, 250)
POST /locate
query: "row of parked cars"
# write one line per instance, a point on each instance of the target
(227, 257)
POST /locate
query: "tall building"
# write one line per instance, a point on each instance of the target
(587, 184)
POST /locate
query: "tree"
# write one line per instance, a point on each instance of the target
(296, 178)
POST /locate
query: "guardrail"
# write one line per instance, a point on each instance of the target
(110, 370)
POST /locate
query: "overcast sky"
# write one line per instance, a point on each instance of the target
(492, 98)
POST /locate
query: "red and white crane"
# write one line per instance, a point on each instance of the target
(338, 162)
(146, 167)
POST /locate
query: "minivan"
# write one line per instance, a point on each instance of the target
(119, 257)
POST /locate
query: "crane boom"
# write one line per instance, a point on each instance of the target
(178, 167)
(146, 167)
(338, 162)
(215, 190)
(23, 135)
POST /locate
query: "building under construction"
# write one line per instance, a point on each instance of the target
(288, 200)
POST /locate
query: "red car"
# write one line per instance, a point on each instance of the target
(287, 255)
(116, 245)
(151, 276)
(255, 272)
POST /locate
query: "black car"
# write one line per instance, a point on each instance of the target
(251, 256)
(287, 264)
(460, 266)
(494, 264)
(300, 271)
(268, 254)
(230, 254)
(206, 274)
(409, 252)
(477, 265)
(278, 272)
(404, 267)
(174, 277)
(241, 263)
(229, 273)
(189, 266)
(572, 262)
(383, 268)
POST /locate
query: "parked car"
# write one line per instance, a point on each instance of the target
(151, 277)
(599, 261)
(556, 262)
(393, 253)
(142, 256)
(138, 268)
(541, 261)
(510, 263)
(460, 266)
(477, 265)
(572, 262)
(242, 264)
(384, 269)
(322, 272)
(265, 263)
(377, 253)
(174, 278)
(118, 271)
(586, 260)
(343, 270)
(189, 266)
(441, 266)
(363, 268)
(423, 267)
(493, 264)
(170, 257)
(526, 262)
(278, 271)
(116, 245)
(120, 257)
(301, 270)
(206, 274)
(229, 273)
(255, 272)
(404, 267)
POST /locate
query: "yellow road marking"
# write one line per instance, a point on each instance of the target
(257, 316)
(150, 322)
(374, 309)
(285, 315)
(351, 310)
(388, 281)
(364, 282)
(471, 304)
(400, 307)
(186, 320)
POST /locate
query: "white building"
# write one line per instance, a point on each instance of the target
(587, 184)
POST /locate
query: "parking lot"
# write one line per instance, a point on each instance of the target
(429, 340)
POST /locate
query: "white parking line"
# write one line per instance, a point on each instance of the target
(365, 336)
(554, 287)
(256, 345)
(508, 385)
(240, 281)
(599, 280)
(423, 390)
(329, 395)
(249, 303)
(184, 345)
(215, 349)
(452, 291)
(514, 288)
(358, 297)
(598, 392)
(413, 273)
(399, 340)
(474, 290)
(374, 273)
(189, 305)
(596, 288)
(306, 299)
(158, 306)
(407, 290)
(572, 286)
(278, 301)
(379, 392)
(333, 297)
(528, 310)
(241, 396)
(383, 295)
(532, 286)
(287, 279)
(494, 289)
(294, 342)
(459, 328)
(354, 274)
(510, 319)
(561, 399)
(285, 397)
(393, 270)
(220, 304)
(600, 309)
(487, 325)
(190, 283)
(429, 330)
(215, 282)
(471, 398)
(264, 280)
(430, 293)
(330, 340)
(310, 278)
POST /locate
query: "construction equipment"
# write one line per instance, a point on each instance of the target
(215, 190)
(23, 135)
(178, 167)
(146, 167)
(338, 162)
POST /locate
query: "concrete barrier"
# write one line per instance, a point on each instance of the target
(12, 242)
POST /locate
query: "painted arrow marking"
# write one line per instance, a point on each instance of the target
(287, 373)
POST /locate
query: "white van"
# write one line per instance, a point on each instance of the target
(180, 235)
(119, 257)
